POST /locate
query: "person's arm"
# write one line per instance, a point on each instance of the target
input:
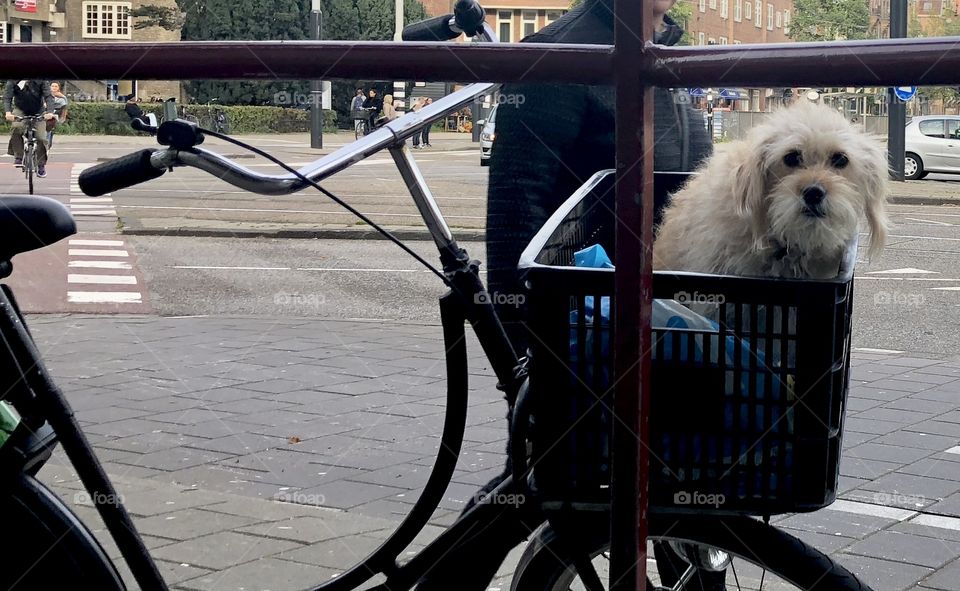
(8, 96)
(48, 106)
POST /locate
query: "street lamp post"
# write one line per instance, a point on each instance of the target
(710, 113)
(316, 86)
(399, 88)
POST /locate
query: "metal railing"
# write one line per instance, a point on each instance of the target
(631, 65)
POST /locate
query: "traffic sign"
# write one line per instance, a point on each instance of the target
(905, 93)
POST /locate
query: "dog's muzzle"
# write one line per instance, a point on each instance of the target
(813, 198)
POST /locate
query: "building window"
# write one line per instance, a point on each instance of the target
(703, 5)
(700, 39)
(748, 11)
(505, 25)
(758, 14)
(786, 18)
(738, 10)
(737, 42)
(3, 31)
(779, 20)
(769, 17)
(723, 41)
(528, 19)
(713, 4)
(553, 15)
(724, 8)
(711, 41)
(106, 20)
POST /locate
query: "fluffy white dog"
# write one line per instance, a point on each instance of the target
(784, 202)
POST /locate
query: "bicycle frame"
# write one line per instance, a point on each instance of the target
(458, 305)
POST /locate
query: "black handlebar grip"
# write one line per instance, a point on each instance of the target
(469, 16)
(432, 29)
(120, 173)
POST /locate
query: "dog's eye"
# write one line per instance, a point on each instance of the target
(839, 160)
(793, 159)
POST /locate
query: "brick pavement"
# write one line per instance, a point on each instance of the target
(266, 453)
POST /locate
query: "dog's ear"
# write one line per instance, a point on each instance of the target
(749, 184)
(876, 189)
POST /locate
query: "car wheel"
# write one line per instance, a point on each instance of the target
(913, 167)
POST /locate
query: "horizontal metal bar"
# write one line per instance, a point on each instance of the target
(308, 60)
(886, 62)
(882, 62)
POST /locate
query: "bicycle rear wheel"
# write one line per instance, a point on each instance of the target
(29, 166)
(763, 557)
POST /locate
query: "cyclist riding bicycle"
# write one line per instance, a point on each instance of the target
(374, 104)
(29, 98)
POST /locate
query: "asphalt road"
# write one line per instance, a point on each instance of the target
(907, 300)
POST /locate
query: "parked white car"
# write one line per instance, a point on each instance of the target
(487, 135)
(932, 145)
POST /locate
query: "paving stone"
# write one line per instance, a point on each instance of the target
(934, 469)
(912, 361)
(948, 506)
(893, 383)
(173, 458)
(312, 529)
(344, 494)
(222, 550)
(868, 391)
(890, 499)
(836, 523)
(937, 428)
(239, 443)
(931, 527)
(266, 574)
(913, 485)
(192, 416)
(872, 426)
(894, 414)
(172, 572)
(407, 476)
(949, 395)
(883, 574)
(336, 554)
(124, 428)
(886, 453)
(190, 523)
(906, 548)
(148, 442)
(166, 500)
(917, 440)
(866, 469)
(947, 579)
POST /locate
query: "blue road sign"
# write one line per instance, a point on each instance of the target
(905, 93)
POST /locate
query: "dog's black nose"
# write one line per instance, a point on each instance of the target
(813, 195)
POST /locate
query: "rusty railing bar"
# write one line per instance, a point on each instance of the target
(884, 62)
(632, 292)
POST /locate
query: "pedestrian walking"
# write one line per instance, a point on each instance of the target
(425, 132)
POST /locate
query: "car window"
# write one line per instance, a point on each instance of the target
(492, 118)
(932, 127)
(953, 129)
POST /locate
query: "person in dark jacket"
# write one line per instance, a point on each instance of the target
(551, 138)
(28, 98)
(375, 105)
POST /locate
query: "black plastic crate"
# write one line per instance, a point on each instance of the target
(745, 418)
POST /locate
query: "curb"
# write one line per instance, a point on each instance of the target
(918, 200)
(417, 234)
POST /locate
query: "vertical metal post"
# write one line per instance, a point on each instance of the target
(633, 23)
(399, 88)
(316, 87)
(897, 121)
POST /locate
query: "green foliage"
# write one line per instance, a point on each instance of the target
(829, 20)
(111, 119)
(363, 20)
(935, 26)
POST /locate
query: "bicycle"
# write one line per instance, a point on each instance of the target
(30, 164)
(55, 549)
(361, 122)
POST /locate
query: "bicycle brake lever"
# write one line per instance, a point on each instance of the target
(141, 125)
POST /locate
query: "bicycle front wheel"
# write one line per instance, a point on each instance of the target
(761, 557)
(29, 166)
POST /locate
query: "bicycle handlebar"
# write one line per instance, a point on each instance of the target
(130, 170)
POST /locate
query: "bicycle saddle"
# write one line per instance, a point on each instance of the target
(30, 222)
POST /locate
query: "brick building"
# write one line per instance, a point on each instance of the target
(109, 21)
(723, 22)
(30, 21)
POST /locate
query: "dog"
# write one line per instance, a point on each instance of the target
(784, 202)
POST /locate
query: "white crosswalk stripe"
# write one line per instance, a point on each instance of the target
(88, 206)
(100, 271)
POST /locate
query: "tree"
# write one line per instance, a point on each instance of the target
(345, 20)
(829, 20)
(946, 25)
